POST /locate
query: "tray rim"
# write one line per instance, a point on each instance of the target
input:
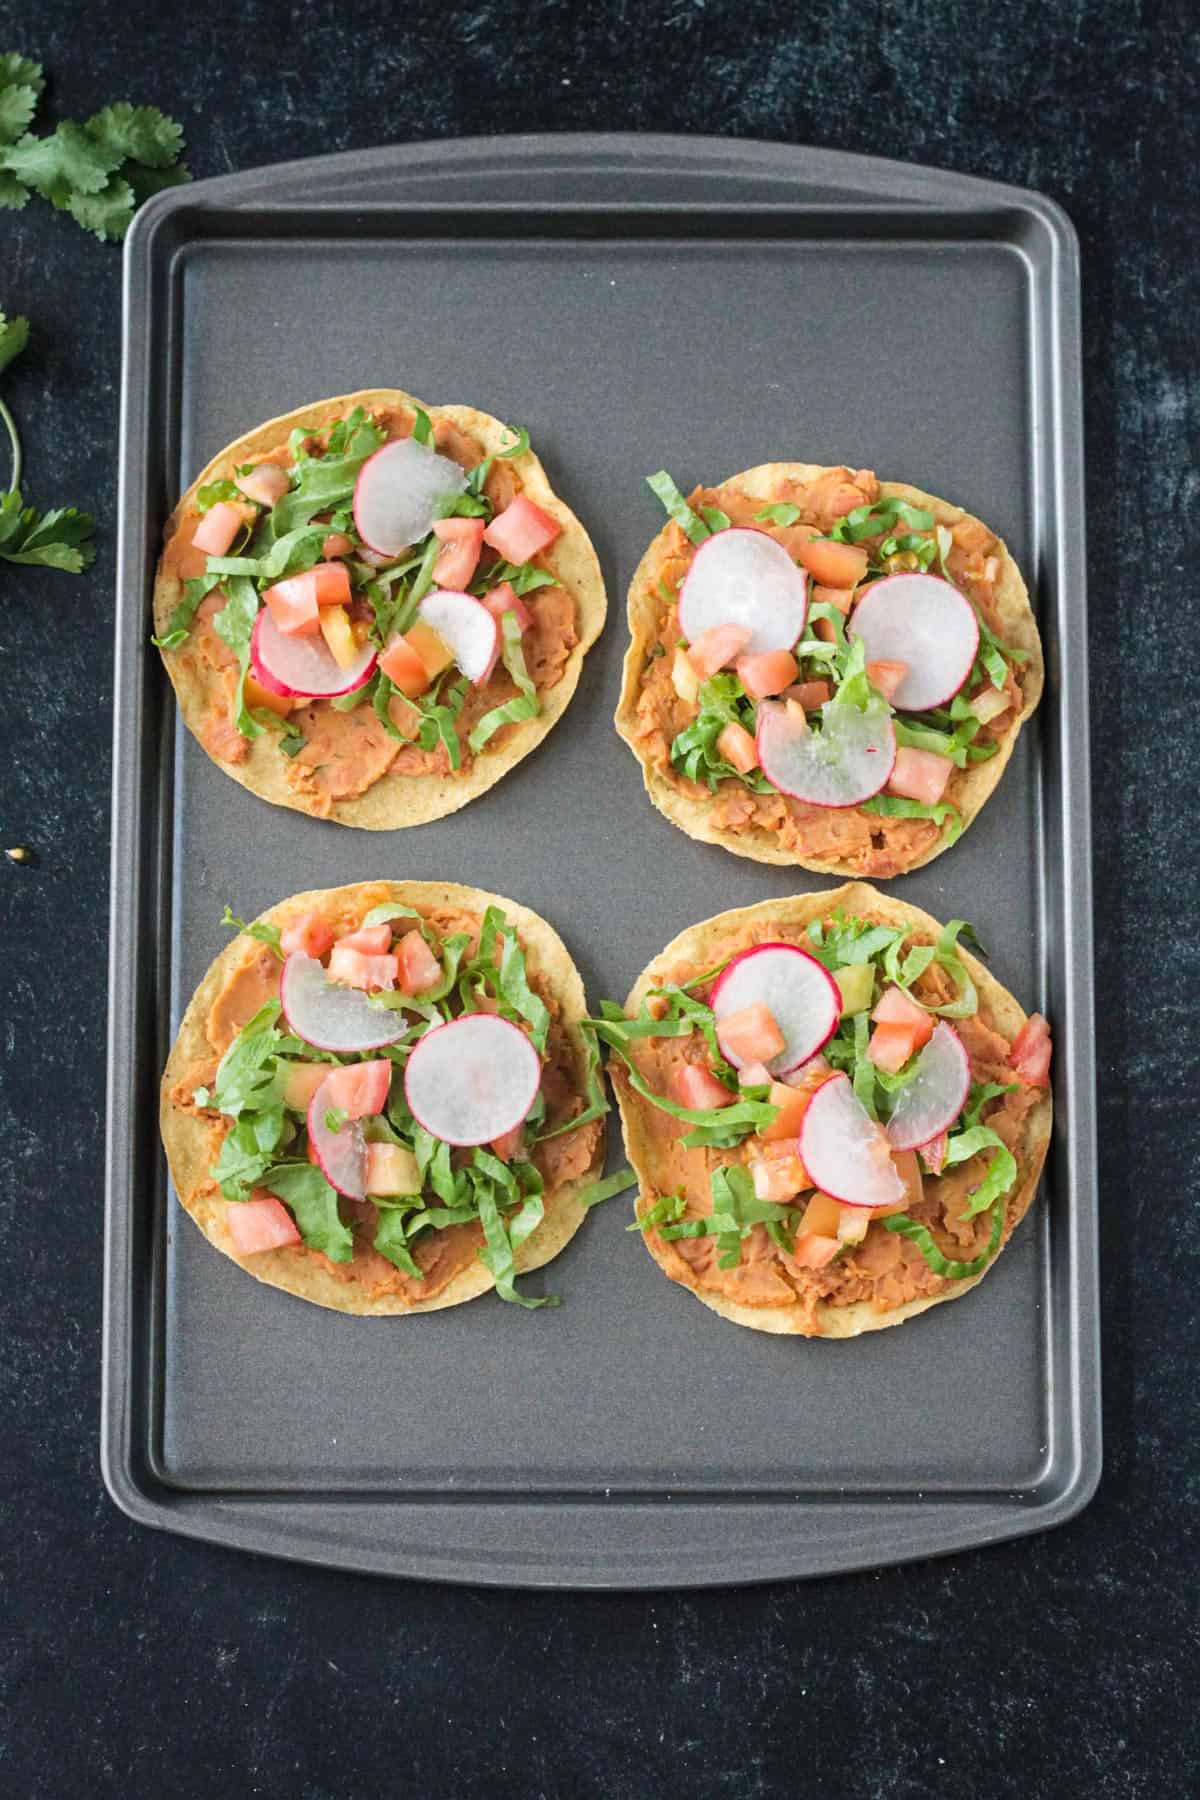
(918, 1529)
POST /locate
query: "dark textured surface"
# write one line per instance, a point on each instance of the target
(140, 1665)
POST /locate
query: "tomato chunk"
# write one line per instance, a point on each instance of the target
(338, 633)
(463, 539)
(510, 1144)
(360, 1089)
(778, 1172)
(1030, 1053)
(891, 1046)
(897, 1008)
(356, 970)
(419, 969)
(219, 526)
(933, 1154)
(403, 666)
(302, 1082)
(308, 934)
(336, 544)
(823, 1215)
(267, 483)
(697, 1088)
(833, 565)
(768, 674)
(886, 676)
(755, 1074)
(716, 647)
(813, 1251)
(296, 602)
(811, 695)
(257, 695)
(430, 646)
(504, 599)
(263, 1223)
(920, 775)
(521, 530)
(372, 940)
(751, 1034)
(738, 747)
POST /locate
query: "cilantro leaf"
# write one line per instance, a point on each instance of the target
(60, 539)
(19, 71)
(66, 162)
(106, 214)
(140, 133)
(14, 335)
(17, 107)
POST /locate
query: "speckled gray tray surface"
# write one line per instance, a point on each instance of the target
(636, 302)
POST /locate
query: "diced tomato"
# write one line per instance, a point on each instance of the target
(356, 970)
(1030, 1053)
(392, 1170)
(521, 530)
(697, 1088)
(842, 598)
(754, 1074)
(751, 1035)
(360, 1089)
(419, 969)
(933, 1154)
(295, 603)
(339, 635)
(463, 539)
(812, 1251)
(896, 1008)
(778, 1172)
(301, 1083)
(891, 1046)
(219, 526)
(792, 1101)
(308, 934)
(738, 747)
(504, 599)
(263, 1223)
(920, 775)
(336, 544)
(823, 1215)
(403, 666)
(909, 1171)
(833, 565)
(331, 583)
(430, 646)
(768, 674)
(717, 647)
(257, 695)
(886, 676)
(811, 695)
(506, 1147)
(266, 483)
(372, 940)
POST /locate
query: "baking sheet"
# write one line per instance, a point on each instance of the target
(700, 306)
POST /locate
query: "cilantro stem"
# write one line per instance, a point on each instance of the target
(15, 441)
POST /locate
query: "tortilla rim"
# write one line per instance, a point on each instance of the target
(410, 799)
(996, 1005)
(969, 788)
(186, 1138)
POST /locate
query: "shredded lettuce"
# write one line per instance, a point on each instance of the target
(893, 806)
(677, 507)
(233, 625)
(781, 513)
(322, 483)
(599, 1191)
(521, 445)
(180, 622)
(315, 1206)
(723, 701)
(1002, 1170)
(945, 1266)
(266, 934)
(525, 704)
(869, 521)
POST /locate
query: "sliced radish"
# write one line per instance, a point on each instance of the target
(744, 577)
(847, 761)
(844, 1151)
(341, 1155)
(937, 1093)
(303, 665)
(331, 1017)
(801, 996)
(473, 1079)
(397, 494)
(466, 625)
(925, 622)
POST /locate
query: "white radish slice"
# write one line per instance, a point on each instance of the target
(467, 627)
(937, 1093)
(331, 1017)
(845, 762)
(397, 494)
(303, 665)
(925, 622)
(744, 577)
(341, 1155)
(472, 1080)
(844, 1151)
(802, 997)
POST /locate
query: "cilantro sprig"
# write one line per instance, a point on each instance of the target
(58, 539)
(100, 171)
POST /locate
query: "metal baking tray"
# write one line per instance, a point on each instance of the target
(636, 302)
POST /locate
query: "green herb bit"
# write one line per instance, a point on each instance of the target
(520, 445)
(266, 934)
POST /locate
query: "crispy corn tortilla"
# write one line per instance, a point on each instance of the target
(968, 788)
(395, 800)
(701, 945)
(189, 1139)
